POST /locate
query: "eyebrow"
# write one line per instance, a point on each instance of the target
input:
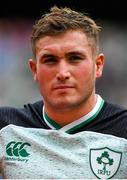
(75, 53)
(47, 55)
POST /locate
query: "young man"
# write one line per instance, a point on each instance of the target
(74, 133)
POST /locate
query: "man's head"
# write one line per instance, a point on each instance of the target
(60, 20)
(67, 62)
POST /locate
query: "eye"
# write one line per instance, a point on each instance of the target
(50, 61)
(75, 58)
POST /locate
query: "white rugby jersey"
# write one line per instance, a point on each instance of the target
(54, 154)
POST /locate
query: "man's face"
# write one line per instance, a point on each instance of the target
(65, 69)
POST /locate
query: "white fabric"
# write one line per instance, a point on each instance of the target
(52, 154)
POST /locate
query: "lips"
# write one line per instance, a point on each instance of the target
(63, 87)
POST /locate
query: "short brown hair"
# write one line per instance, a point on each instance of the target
(59, 20)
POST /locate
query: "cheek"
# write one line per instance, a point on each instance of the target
(44, 76)
(86, 75)
(85, 72)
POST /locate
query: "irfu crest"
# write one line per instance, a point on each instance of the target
(105, 162)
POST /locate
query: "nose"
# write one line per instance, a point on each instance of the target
(63, 72)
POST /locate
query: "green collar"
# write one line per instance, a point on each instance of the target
(77, 123)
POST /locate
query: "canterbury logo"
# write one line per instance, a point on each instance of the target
(17, 149)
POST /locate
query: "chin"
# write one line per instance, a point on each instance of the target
(64, 104)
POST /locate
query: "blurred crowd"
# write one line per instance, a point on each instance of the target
(16, 84)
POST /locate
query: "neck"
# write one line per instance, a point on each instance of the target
(65, 117)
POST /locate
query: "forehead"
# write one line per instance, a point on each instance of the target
(68, 41)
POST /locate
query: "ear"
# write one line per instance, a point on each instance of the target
(32, 65)
(99, 65)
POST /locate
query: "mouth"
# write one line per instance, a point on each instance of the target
(63, 87)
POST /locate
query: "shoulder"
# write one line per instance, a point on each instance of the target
(114, 109)
(114, 113)
(20, 116)
(26, 108)
(113, 120)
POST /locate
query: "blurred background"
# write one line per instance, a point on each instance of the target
(16, 19)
